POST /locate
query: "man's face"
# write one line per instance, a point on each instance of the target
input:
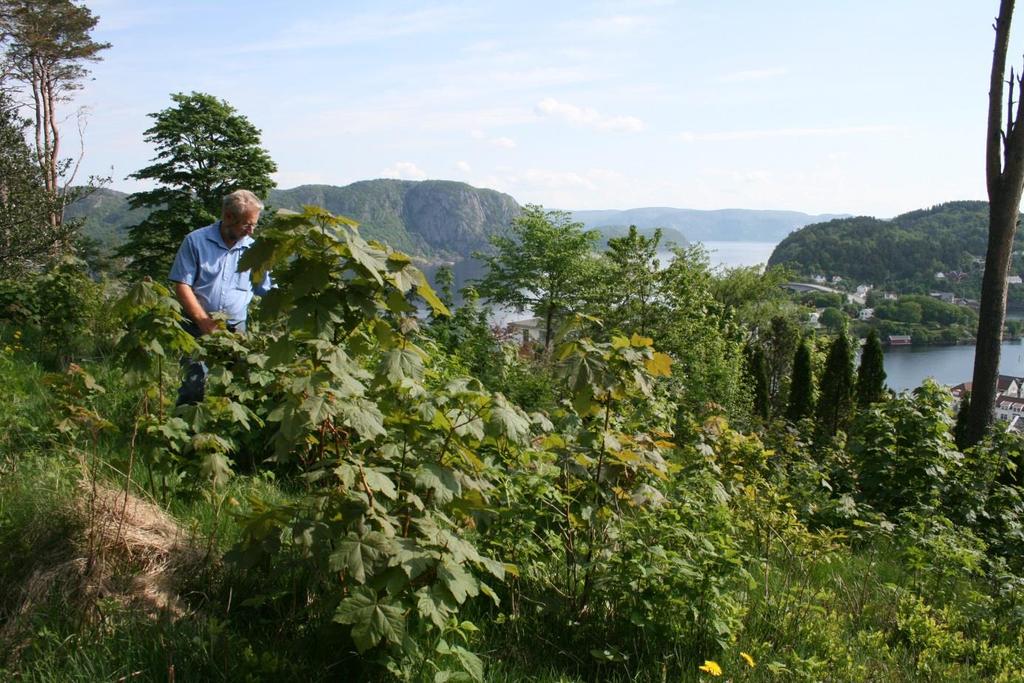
(235, 228)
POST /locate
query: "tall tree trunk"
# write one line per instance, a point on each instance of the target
(1004, 172)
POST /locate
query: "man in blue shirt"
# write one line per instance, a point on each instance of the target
(206, 278)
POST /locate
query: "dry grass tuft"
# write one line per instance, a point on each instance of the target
(124, 549)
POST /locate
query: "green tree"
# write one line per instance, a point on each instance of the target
(543, 266)
(205, 150)
(632, 281)
(27, 238)
(833, 319)
(835, 400)
(871, 373)
(757, 372)
(704, 340)
(779, 342)
(801, 389)
(46, 47)
(960, 428)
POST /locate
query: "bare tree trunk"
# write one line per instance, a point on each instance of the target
(1004, 171)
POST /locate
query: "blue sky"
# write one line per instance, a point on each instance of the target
(863, 107)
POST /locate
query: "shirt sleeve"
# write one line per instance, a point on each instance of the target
(262, 288)
(185, 262)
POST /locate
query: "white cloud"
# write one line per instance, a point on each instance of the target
(463, 166)
(731, 135)
(405, 170)
(610, 25)
(503, 142)
(585, 116)
(753, 75)
(345, 29)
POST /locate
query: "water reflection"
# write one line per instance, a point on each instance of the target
(907, 367)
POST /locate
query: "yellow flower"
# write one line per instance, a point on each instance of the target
(17, 334)
(748, 659)
(711, 667)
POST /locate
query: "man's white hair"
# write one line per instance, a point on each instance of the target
(239, 202)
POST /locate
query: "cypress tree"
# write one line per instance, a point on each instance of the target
(801, 389)
(871, 374)
(757, 372)
(960, 428)
(835, 402)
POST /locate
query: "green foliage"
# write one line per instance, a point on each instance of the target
(543, 266)
(779, 340)
(801, 389)
(205, 150)
(396, 513)
(62, 311)
(631, 283)
(871, 373)
(751, 293)
(27, 238)
(836, 390)
(833, 319)
(902, 254)
(705, 342)
(757, 375)
(903, 450)
(395, 471)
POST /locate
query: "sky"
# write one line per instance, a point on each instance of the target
(864, 107)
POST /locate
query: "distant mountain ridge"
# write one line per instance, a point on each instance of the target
(443, 220)
(735, 225)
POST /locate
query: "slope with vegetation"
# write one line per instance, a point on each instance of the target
(431, 218)
(902, 254)
(372, 494)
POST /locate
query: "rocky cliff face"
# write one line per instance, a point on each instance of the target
(448, 215)
(436, 219)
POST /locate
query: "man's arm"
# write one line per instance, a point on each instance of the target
(190, 303)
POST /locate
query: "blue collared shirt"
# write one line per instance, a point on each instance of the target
(210, 268)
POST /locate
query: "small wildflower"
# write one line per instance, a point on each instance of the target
(17, 334)
(711, 667)
(8, 349)
(748, 659)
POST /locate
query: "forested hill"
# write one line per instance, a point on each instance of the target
(905, 252)
(107, 216)
(434, 219)
(430, 218)
(442, 219)
(722, 224)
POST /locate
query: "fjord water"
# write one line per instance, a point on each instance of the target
(907, 367)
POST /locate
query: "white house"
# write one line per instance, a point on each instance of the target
(866, 313)
(1013, 280)
(1009, 406)
(940, 276)
(529, 330)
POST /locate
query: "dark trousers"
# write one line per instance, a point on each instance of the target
(193, 383)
